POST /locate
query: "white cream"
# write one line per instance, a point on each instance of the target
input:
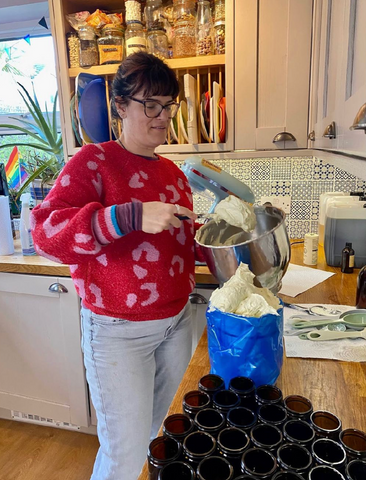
(240, 296)
(236, 212)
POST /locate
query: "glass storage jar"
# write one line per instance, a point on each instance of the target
(184, 39)
(157, 42)
(219, 10)
(135, 38)
(73, 49)
(153, 12)
(88, 47)
(132, 11)
(219, 37)
(204, 31)
(110, 45)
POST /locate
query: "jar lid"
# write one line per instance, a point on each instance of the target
(219, 23)
(131, 22)
(112, 27)
(157, 26)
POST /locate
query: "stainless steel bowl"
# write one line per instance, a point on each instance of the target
(266, 250)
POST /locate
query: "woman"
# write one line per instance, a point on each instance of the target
(112, 217)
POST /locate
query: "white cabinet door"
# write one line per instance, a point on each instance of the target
(352, 93)
(272, 68)
(338, 87)
(41, 366)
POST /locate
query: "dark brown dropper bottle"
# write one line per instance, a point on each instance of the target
(348, 259)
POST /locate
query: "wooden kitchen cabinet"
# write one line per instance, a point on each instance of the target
(206, 70)
(272, 67)
(339, 74)
(41, 365)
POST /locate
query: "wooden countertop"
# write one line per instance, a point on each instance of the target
(339, 387)
(36, 265)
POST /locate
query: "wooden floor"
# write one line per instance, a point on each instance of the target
(32, 452)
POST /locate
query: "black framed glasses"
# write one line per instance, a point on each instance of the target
(153, 108)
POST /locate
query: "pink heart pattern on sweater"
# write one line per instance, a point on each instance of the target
(135, 181)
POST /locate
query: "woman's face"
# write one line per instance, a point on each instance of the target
(141, 131)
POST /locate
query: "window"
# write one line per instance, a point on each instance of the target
(32, 65)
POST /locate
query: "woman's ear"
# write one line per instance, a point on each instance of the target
(121, 110)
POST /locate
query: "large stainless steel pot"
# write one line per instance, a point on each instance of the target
(266, 250)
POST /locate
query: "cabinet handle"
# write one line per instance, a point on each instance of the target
(197, 299)
(57, 288)
(359, 123)
(330, 131)
(311, 136)
(284, 137)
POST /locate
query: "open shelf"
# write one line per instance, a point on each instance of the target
(174, 63)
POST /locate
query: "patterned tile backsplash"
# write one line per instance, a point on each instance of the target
(304, 178)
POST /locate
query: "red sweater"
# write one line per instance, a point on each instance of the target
(137, 276)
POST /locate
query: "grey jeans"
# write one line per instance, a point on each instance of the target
(133, 370)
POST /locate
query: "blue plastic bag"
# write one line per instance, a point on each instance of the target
(245, 346)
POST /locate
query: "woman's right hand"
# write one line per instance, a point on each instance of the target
(158, 216)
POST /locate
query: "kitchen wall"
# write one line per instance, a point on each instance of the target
(304, 178)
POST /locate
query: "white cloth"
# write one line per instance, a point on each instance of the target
(298, 279)
(348, 350)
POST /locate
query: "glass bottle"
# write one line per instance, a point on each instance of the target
(157, 42)
(152, 13)
(135, 38)
(204, 31)
(348, 259)
(132, 11)
(361, 288)
(110, 45)
(184, 40)
(88, 47)
(219, 27)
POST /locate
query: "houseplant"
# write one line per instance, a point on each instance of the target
(47, 164)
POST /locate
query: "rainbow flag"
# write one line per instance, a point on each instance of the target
(15, 171)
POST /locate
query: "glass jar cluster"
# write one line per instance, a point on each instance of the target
(244, 432)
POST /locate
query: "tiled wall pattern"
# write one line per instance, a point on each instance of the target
(304, 178)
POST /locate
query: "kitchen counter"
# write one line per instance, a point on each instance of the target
(36, 265)
(339, 387)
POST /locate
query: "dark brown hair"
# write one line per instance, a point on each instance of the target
(142, 72)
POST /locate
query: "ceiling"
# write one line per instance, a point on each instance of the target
(19, 18)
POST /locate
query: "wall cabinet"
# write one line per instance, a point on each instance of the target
(272, 67)
(41, 365)
(205, 70)
(339, 74)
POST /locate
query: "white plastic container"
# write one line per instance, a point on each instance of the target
(26, 239)
(332, 198)
(345, 223)
(322, 203)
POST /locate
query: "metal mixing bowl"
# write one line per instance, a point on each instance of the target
(266, 250)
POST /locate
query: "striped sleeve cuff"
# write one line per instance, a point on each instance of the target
(105, 225)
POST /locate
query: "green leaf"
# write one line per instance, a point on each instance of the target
(54, 116)
(44, 148)
(32, 177)
(33, 126)
(24, 130)
(38, 115)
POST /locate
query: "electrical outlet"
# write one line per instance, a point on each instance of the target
(283, 202)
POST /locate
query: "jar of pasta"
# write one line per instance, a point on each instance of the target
(219, 37)
(204, 29)
(110, 45)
